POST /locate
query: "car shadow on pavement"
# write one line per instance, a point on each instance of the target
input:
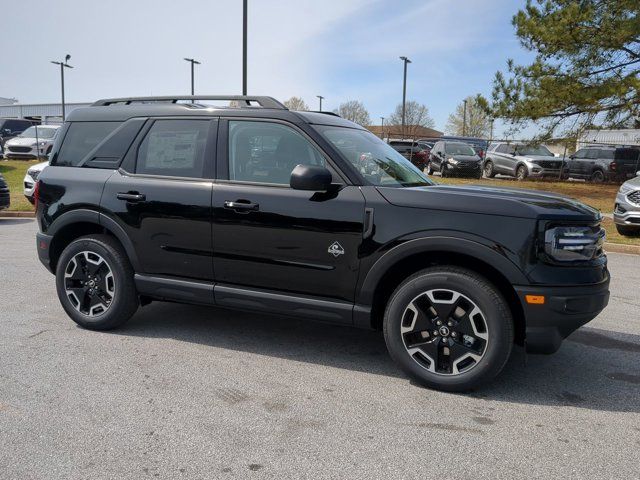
(594, 369)
(15, 221)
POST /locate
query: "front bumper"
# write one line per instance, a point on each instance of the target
(626, 213)
(462, 169)
(539, 172)
(23, 152)
(565, 309)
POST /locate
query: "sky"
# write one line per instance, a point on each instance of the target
(341, 49)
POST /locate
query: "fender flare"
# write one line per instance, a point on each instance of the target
(449, 244)
(83, 215)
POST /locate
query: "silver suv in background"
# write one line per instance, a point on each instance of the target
(521, 160)
(34, 142)
(626, 213)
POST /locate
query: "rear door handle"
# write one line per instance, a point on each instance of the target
(241, 205)
(131, 196)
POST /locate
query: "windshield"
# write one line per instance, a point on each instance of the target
(43, 132)
(377, 161)
(530, 150)
(458, 149)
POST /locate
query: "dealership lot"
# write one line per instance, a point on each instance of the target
(194, 392)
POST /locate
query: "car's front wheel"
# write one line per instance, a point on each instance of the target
(628, 231)
(448, 328)
(488, 169)
(95, 285)
(522, 172)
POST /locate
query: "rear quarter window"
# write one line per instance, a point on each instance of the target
(82, 138)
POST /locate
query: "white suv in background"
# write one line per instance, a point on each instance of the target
(626, 213)
(34, 142)
(31, 178)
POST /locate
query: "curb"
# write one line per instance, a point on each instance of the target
(621, 248)
(18, 214)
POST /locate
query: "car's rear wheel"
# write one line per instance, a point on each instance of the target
(628, 231)
(448, 328)
(94, 280)
(597, 177)
(488, 169)
(522, 172)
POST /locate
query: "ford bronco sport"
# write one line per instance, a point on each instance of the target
(256, 207)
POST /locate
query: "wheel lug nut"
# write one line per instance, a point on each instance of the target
(454, 334)
(435, 332)
(439, 322)
(450, 323)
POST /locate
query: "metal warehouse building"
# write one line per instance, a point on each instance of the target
(48, 113)
(609, 137)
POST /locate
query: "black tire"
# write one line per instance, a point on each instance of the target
(443, 172)
(489, 171)
(124, 297)
(628, 231)
(521, 172)
(597, 177)
(429, 169)
(495, 316)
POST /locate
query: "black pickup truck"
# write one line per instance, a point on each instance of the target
(252, 206)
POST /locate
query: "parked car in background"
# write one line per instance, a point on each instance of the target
(416, 152)
(626, 213)
(5, 196)
(600, 163)
(30, 179)
(34, 142)
(523, 160)
(11, 127)
(455, 158)
(480, 145)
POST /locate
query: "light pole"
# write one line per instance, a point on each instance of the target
(63, 65)
(244, 47)
(320, 97)
(192, 62)
(404, 91)
(464, 119)
(382, 127)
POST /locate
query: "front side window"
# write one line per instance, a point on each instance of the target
(266, 152)
(376, 161)
(506, 148)
(534, 151)
(174, 148)
(81, 138)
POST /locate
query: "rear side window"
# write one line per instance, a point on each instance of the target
(174, 148)
(81, 138)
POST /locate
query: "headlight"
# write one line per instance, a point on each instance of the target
(574, 243)
(624, 189)
(33, 173)
(452, 161)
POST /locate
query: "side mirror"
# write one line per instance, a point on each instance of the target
(6, 131)
(307, 177)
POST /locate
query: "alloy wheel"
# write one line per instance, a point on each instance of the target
(444, 332)
(89, 283)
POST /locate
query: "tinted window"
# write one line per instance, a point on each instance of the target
(16, 126)
(81, 138)
(267, 152)
(582, 153)
(174, 148)
(505, 148)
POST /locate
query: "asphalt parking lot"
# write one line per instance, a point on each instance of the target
(194, 392)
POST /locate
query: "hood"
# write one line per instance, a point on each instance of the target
(465, 158)
(534, 158)
(509, 202)
(39, 166)
(633, 182)
(21, 141)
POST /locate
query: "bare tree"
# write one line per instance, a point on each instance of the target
(355, 111)
(416, 116)
(296, 103)
(476, 122)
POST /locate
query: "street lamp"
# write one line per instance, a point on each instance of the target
(382, 127)
(320, 97)
(464, 119)
(404, 91)
(244, 47)
(63, 65)
(193, 62)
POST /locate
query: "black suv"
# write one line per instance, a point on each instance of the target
(256, 207)
(601, 163)
(12, 127)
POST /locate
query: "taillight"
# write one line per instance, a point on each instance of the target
(613, 166)
(36, 194)
(481, 153)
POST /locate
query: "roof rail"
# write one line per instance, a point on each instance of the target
(264, 102)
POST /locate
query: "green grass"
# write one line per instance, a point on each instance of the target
(13, 172)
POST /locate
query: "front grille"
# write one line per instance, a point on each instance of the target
(18, 149)
(549, 164)
(634, 197)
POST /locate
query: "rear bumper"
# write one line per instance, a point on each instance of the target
(565, 310)
(43, 243)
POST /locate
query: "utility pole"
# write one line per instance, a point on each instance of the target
(63, 65)
(193, 62)
(382, 127)
(320, 97)
(464, 119)
(404, 92)
(244, 47)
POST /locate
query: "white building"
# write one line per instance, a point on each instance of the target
(608, 137)
(48, 113)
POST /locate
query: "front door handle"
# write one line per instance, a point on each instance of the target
(241, 205)
(131, 196)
